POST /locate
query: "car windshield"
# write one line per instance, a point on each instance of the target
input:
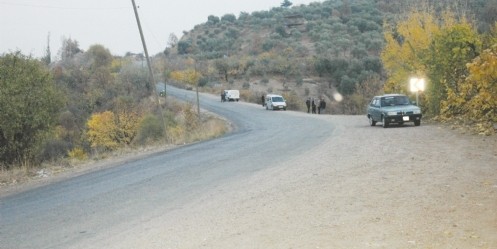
(395, 100)
(278, 99)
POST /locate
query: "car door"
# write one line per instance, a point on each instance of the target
(376, 111)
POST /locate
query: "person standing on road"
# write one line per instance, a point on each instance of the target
(322, 105)
(308, 104)
(263, 100)
(223, 94)
(313, 103)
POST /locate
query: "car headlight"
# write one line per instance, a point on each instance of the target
(417, 112)
(391, 113)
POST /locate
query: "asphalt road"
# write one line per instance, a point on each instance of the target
(72, 211)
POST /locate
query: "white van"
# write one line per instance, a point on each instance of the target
(275, 102)
(231, 95)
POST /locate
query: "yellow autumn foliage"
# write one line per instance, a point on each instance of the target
(188, 76)
(102, 130)
(406, 43)
(480, 87)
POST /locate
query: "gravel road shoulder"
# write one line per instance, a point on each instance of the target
(364, 187)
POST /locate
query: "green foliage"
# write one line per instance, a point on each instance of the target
(134, 81)
(286, 4)
(149, 130)
(213, 20)
(185, 47)
(228, 18)
(29, 103)
(53, 149)
(451, 50)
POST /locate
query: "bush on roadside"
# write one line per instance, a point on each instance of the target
(78, 153)
(149, 130)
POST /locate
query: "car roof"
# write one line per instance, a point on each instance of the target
(390, 95)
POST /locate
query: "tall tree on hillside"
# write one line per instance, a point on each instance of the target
(286, 4)
(101, 87)
(172, 41)
(47, 59)
(69, 49)
(29, 103)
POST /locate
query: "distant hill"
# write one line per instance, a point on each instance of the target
(313, 50)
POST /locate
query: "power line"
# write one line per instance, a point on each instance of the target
(61, 7)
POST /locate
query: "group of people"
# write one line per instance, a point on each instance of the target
(315, 105)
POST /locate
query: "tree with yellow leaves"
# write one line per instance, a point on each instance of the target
(436, 49)
(451, 49)
(407, 43)
(479, 90)
(188, 76)
(102, 131)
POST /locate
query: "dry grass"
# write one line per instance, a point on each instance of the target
(211, 126)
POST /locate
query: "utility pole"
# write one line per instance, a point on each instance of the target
(149, 66)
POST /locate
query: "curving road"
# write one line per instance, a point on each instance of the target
(74, 211)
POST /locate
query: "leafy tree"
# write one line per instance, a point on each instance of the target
(213, 20)
(47, 59)
(134, 81)
(451, 50)
(286, 4)
(405, 49)
(150, 129)
(102, 131)
(189, 76)
(29, 103)
(127, 120)
(99, 56)
(185, 47)
(69, 49)
(479, 90)
(228, 18)
(172, 41)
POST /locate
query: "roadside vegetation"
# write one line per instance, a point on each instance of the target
(87, 104)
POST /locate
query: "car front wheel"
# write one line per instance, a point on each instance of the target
(384, 122)
(371, 121)
(417, 123)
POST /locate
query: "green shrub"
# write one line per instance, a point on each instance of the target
(53, 150)
(150, 129)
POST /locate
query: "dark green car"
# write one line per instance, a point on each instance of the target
(393, 108)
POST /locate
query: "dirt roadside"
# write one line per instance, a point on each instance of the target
(364, 187)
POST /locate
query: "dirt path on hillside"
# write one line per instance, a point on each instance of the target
(365, 187)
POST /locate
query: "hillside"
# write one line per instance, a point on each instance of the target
(307, 50)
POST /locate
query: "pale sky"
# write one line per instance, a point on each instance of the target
(26, 24)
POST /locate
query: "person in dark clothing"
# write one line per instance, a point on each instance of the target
(222, 96)
(313, 106)
(308, 104)
(263, 100)
(322, 105)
